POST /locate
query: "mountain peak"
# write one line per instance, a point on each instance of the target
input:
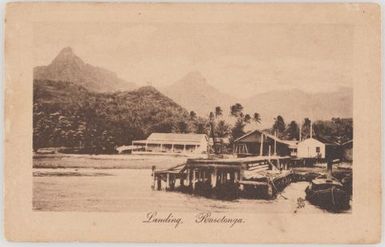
(67, 56)
(66, 53)
(67, 49)
(195, 76)
(147, 88)
(67, 66)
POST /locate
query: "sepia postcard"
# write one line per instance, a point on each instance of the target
(193, 123)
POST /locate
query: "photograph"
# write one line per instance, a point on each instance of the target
(193, 123)
(207, 117)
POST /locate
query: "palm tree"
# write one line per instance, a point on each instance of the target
(222, 129)
(218, 111)
(257, 118)
(236, 110)
(247, 118)
(306, 128)
(193, 115)
(279, 124)
(292, 130)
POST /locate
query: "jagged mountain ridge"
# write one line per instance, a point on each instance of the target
(67, 66)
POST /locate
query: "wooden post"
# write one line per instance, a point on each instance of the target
(300, 133)
(241, 173)
(275, 144)
(159, 182)
(172, 182)
(188, 177)
(311, 129)
(329, 168)
(261, 147)
(193, 179)
(269, 151)
(154, 177)
(214, 178)
(167, 181)
(232, 176)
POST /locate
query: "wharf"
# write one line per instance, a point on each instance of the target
(261, 176)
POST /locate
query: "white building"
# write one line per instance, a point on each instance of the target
(311, 148)
(172, 143)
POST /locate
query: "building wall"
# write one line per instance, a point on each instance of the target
(173, 147)
(308, 149)
(203, 147)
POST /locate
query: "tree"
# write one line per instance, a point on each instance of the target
(257, 118)
(211, 116)
(222, 129)
(218, 111)
(279, 124)
(238, 129)
(292, 131)
(247, 118)
(305, 132)
(182, 127)
(236, 110)
(193, 115)
(219, 129)
(67, 115)
(335, 130)
(200, 127)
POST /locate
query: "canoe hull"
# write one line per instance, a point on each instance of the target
(332, 198)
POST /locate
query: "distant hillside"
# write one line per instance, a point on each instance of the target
(65, 114)
(296, 105)
(193, 92)
(69, 67)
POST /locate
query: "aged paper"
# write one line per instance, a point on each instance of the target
(193, 123)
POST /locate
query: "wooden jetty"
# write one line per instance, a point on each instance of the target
(252, 177)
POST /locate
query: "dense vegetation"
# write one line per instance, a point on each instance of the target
(336, 130)
(68, 115)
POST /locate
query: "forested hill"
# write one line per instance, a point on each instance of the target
(68, 115)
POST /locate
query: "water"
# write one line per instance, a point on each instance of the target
(102, 189)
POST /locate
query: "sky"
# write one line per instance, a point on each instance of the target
(240, 59)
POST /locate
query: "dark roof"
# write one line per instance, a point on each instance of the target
(268, 135)
(325, 140)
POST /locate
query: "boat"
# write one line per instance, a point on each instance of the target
(327, 192)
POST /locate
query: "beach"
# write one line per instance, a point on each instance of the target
(122, 183)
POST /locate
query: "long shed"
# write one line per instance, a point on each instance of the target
(173, 143)
(260, 143)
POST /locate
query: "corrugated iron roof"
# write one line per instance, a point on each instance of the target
(290, 143)
(176, 137)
